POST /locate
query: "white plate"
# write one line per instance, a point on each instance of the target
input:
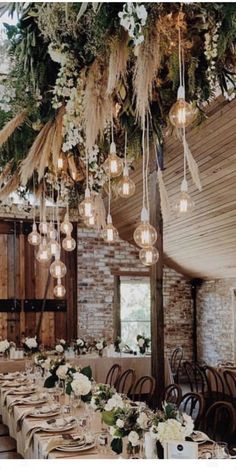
(76, 449)
(44, 414)
(23, 391)
(61, 428)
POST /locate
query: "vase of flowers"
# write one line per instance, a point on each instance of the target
(30, 345)
(100, 346)
(143, 343)
(80, 346)
(61, 346)
(4, 348)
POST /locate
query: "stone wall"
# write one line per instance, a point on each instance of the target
(215, 321)
(96, 261)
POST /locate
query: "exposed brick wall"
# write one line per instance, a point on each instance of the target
(215, 321)
(96, 260)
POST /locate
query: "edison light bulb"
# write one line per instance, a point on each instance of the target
(126, 186)
(86, 207)
(181, 114)
(52, 233)
(60, 163)
(43, 254)
(59, 290)
(66, 225)
(90, 221)
(43, 227)
(34, 237)
(145, 234)
(54, 247)
(113, 165)
(149, 255)
(184, 204)
(109, 233)
(69, 243)
(58, 269)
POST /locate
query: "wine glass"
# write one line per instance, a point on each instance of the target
(28, 367)
(220, 450)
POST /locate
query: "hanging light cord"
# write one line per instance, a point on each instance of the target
(112, 127)
(125, 149)
(144, 160)
(180, 59)
(87, 170)
(147, 164)
(109, 195)
(183, 129)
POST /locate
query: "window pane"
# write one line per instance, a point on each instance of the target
(135, 309)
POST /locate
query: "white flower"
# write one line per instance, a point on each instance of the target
(99, 346)
(170, 430)
(47, 364)
(141, 13)
(93, 403)
(188, 424)
(141, 342)
(114, 402)
(62, 341)
(80, 385)
(62, 372)
(112, 430)
(59, 348)
(143, 420)
(4, 345)
(120, 423)
(80, 342)
(31, 343)
(133, 437)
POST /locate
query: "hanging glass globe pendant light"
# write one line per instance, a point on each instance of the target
(126, 186)
(184, 205)
(43, 227)
(66, 226)
(68, 243)
(149, 256)
(86, 207)
(110, 233)
(113, 165)
(181, 114)
(53, 247)
(59, 290)
(43, 254)
(34, 237)
(58, 268)
(52, 233)
(145, 234)
(90, 221)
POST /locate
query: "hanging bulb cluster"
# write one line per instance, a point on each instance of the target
(113, 165)
(34, 237)
(110, 233)
(181, 114)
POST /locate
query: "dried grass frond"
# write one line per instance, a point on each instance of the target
(11, 126)
(58, 136)
(97, 103)
(146, 68)
(6, 170)
(193, 167)
(118, 61)
(11, 186)
(31, 162)
(165, 203)
(46, 151)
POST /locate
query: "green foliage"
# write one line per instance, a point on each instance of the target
(117, 445)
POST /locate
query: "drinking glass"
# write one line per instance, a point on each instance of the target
(220, 450)
(103, 442)
(28, 367)
(83, 422)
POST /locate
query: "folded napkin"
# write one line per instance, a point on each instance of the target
(57, 441)
(47, 409)
(44, 426)
(20, 420)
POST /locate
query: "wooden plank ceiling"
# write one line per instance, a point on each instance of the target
(203, 244)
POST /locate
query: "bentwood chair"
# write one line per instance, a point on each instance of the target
(144, 389)
(113, 375)
(126, 382)
(219, 421)
(230, 382)
(173, 394)
(193, 405)
(215, 385)
(175, 363)
(195, 377)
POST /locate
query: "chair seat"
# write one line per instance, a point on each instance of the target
(7, 444)
(4, 431)
(10, 455)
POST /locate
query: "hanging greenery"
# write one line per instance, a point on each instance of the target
(97, 60)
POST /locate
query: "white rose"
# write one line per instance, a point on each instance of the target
(141, 342)
(80, 385)
(188, 424)
(31, 343)
(133, 437)
(120, 423)
(114, 402)
(141, 12)
(59, 348)
(47, 364)
(99, 346)
(62, 371)
(93, 403)
(80, 342)
(170, 430)
(143, 420)
(112, 430)
(62, 341)
(4, 345)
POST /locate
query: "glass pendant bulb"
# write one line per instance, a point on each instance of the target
(59, 290)
(52, 233)
(34, 237)
(86, 207)
(58, 269)
(90, 221)
(69, 243)
(110, 233)
(113, 165)
(126, 186)
(53, 247)
(66, 226)
(181, 114)
(145, 234)
(43, 227)
(60, 163)
(149, 256)
(184, 205)
(43, 254)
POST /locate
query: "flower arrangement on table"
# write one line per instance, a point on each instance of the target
(61, 346)
(80, 346)
(101, 395)
(100, 346)
(4, 347)
(40, 361)
(118, 344)
(143, 343)
(30, 345)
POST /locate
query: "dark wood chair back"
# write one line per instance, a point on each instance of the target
(175, 362)
(193, 404)
(230, 382)
(219, 421)
(113, 375)
(215, 383)
(195, 376)
(126, 382)
(144, 388)
(173, 394)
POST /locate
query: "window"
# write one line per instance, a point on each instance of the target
(135, 305)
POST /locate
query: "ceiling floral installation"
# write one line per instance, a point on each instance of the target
(93, 80)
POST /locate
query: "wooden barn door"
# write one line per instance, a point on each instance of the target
(27, 304)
